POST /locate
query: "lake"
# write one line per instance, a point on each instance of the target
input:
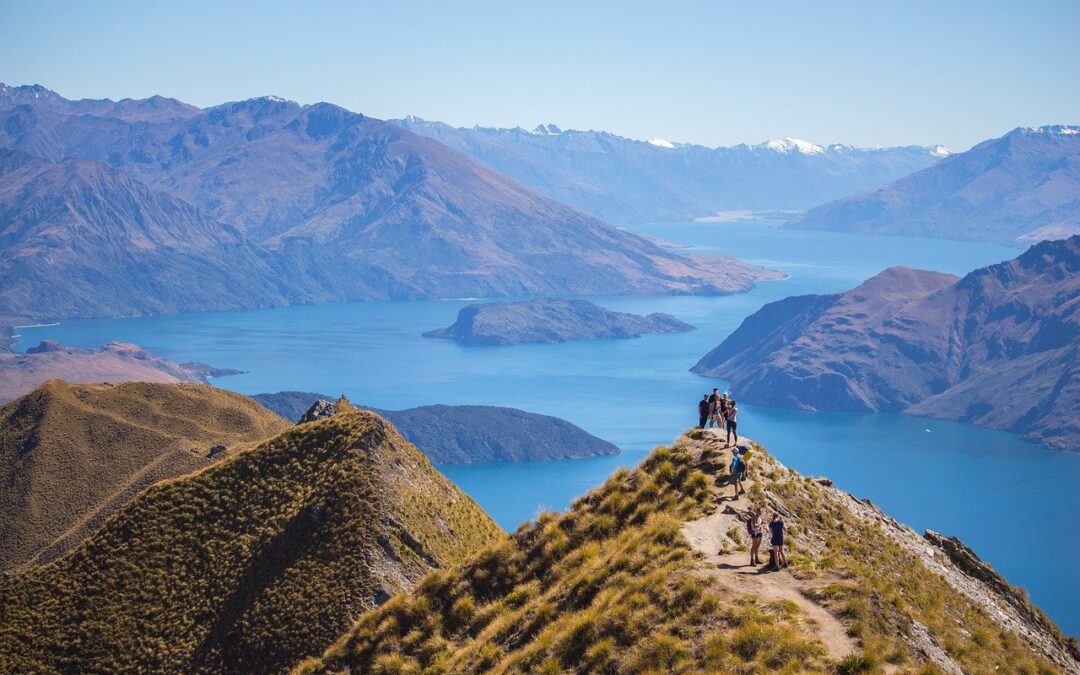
(1005, 498)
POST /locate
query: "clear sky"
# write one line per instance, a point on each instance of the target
(718, 73)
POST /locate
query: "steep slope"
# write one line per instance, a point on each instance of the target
(550, 320)
(80, 238)
(364, 209)
(622, 582)
(622, 180)
(114, 362)
(1013, 190)
(248, 565)
(465, 434)
(72, 455)
(998, 348)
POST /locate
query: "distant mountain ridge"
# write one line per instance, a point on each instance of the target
(622, 180)
(999, 348)
(331, 204)
(1015, 190)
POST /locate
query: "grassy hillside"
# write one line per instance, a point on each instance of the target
(71, 455)
(614, 585)
(249, 565)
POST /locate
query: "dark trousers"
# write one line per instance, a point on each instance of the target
(731, 430)
(702, 421)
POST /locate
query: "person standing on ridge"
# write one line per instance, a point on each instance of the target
(737, 469)
(703, 411)
(755, 527)
(732, 422)
(714, 408)
(776, 528)
(724, 404)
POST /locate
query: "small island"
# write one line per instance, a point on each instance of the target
(549, 321)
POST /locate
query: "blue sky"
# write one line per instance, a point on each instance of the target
(867, 73)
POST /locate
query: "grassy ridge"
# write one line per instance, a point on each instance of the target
(249, 565)
(72, 454)
(611, 586)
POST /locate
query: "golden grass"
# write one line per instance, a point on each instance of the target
(246, 566)
(74, 454)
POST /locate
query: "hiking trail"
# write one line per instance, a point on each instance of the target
(709, 536)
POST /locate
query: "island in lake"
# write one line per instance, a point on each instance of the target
(464, 434)
(548, 321)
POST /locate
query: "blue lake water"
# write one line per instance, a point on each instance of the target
(1011, 501)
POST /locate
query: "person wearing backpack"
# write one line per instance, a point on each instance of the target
(738, 466)
(777, 528)
(755, 527)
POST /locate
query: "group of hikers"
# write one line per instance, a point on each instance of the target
(716, 410)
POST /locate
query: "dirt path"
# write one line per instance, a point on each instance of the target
(708, 536)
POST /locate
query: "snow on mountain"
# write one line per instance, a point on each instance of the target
(661, 143)
(786, 145)
(940, 151)
(547, 130)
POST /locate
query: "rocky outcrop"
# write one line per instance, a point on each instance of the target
(464, 434)
(509, 323)
(1014, 190)
(114, 362)
(997, 348)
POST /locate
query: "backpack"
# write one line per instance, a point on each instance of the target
(737, 465)
(750, 525)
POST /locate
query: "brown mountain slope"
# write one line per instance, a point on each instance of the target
(72, 455)
(999, 348)
(248, 565)
(629, 581)
(115, 362)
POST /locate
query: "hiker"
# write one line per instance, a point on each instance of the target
(732, 424)
(725, 402)
(714, 409)
(755, 527)
(703, 411)
(737, 469)
(776, 527)
(745, 451)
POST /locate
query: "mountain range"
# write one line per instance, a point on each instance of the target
(999, 348)
(622, 180)
(1015, 190)
(266, 202)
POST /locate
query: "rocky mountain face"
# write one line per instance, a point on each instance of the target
(81, 238)
(338, 206)
(464, 434)
(1014, 190)
(550, 320)
(998, 348)
(72, 455)
(115, 362)
(250, 565)
(649, 573)
(621, 180)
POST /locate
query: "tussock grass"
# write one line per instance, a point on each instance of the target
(72, 454)
(249, 565)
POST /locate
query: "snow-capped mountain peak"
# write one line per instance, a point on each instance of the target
(786, 145)
(940, 151)
(661, 143)
(547, 130)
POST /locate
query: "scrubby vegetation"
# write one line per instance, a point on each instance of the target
(612, 586)
(249, 565)
(72, 454)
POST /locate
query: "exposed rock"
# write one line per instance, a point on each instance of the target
(215, 451)
(998, 348)
(320, 409)
(508, 323)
